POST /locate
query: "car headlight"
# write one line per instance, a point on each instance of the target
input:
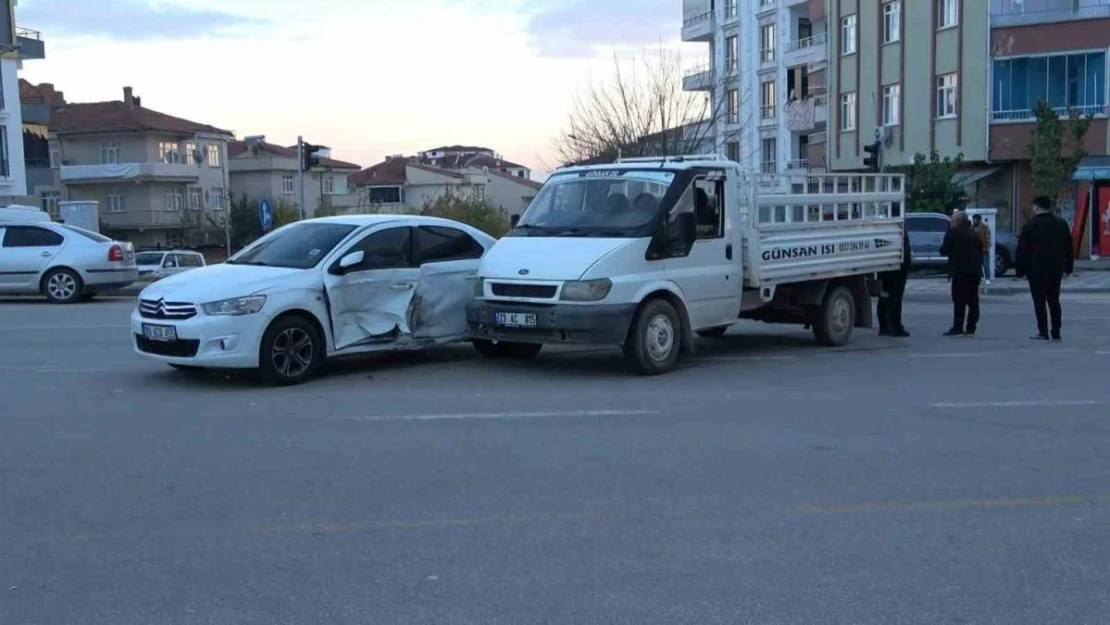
(586, 291)
(235, 306)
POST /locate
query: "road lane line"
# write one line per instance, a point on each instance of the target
(903, 506)
(69, 326)
(504, 415)
(1018, 404)
(746, 358)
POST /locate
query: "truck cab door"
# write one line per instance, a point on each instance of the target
(711, 274)
(368, 301)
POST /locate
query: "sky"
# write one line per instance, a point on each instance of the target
(367, 78)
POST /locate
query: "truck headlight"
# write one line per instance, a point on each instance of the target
(235, 306)
(586, 291)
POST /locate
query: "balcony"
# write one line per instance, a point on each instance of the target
(799, 164)
(1019, 116)
(148, 219)
(763, 6)
(30, 44)
(818, 138)
(806, 114)
(698, 27)
(137, 172)
(1029, 12)
(808, 51)
(698, 78)
(339, 203)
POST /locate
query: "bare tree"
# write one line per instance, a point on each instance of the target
(200, 227)
(642, 110)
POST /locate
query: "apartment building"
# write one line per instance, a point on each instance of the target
(262, 170)
(406, 184)
(158, 179)
(765, 73)
(36, 103)
(964, 77)
(16, 45)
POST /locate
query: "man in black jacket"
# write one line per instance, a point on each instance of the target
(964, 250)
(894, 285)
(1045, 253)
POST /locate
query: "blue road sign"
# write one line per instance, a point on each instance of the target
(265, 214)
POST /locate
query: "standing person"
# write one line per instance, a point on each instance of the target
(1045, 254)
(894, 285)
(984, 233)
(964, 250)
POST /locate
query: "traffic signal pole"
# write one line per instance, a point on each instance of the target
(300, 174)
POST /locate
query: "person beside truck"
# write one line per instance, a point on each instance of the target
(963, 248)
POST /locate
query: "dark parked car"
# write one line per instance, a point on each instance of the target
(927, 232)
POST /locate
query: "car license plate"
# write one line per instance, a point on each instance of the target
(162, 334)
(515, 320)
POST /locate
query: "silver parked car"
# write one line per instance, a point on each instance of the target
(63, 262)
(926, 232)
(155, 265)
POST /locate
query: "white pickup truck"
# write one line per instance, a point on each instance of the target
(649, 253)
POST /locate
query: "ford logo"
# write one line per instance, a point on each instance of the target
(523, 272)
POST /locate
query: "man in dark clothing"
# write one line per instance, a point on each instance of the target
(1045, 254)
(894, 284)
(964, 250)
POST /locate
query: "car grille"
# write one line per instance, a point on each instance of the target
(161, 309)
(181, 348)
(534, 291)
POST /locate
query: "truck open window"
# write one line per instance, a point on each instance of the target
(709, 208)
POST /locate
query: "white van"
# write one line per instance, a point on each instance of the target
(23, 214)
(647, 253)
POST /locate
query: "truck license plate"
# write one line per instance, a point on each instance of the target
(162, 334)
(515, 320)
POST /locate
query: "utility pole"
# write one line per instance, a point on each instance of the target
(300, 174)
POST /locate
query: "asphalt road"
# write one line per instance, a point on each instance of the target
(768, 481)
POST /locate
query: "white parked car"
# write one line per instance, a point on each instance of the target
(65, 263)
(315, 289)
(155, 265)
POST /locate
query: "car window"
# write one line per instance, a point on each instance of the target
(172, 260)
(190, 260)
(926, 224)
(387, 249)
(30, 236)
(149, 258)
(88, 234)
(438, 244)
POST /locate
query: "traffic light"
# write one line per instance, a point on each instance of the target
(308, 156)
(872, 161)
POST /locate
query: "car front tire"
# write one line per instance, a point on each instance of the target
(290, 352)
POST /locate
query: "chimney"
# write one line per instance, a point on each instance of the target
(128, 96)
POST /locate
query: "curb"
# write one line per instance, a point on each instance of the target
(1001, 292)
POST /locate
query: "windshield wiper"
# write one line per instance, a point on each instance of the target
(533, 228)
(256, 263)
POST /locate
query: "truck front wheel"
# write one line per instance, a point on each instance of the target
(653, 345)
(836, 318)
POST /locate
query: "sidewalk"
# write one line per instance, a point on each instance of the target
(1082, 281)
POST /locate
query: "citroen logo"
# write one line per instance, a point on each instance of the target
(523, 272)
(160, 307)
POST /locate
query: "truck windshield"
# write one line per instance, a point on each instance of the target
(599, 203)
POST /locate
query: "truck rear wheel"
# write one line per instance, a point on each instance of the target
(653, 345)
(836, 318)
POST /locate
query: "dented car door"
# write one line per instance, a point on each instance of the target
(369, 303)
(448, 260)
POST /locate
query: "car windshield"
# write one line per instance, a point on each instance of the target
(298, 246)
(604, 203)
(148, 258)
(88, 234)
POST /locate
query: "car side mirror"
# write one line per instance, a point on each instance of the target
(349, 262)
(681, 234)
(514, 220)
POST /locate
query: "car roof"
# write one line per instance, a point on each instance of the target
(929, 215)
(372, 220)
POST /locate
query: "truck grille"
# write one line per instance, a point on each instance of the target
(534, 291)
(161, 309)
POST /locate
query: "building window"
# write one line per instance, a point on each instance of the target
(1075, 81)
(732, 151)
(173, 200)
(848, 34)
(214, 155)
(767, 100)
(730, 8)
(892, 95)
(947, 93)
(168, 152)
(892, 21)
(216, 198)
(770, 158)
(734, 106)
(329, 185)
(50, 202)
(847, 112)
(111, 153)
(5, 166)
(767, 43)
(386, 195)
(288, 186)
(113, 202)
(55, 157)
(948, 13)
(190, 154)
(195, 199)
(732, 52)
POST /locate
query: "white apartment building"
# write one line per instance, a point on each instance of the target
(16, 45)
(765, 69)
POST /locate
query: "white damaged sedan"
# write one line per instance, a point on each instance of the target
(315, 289)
